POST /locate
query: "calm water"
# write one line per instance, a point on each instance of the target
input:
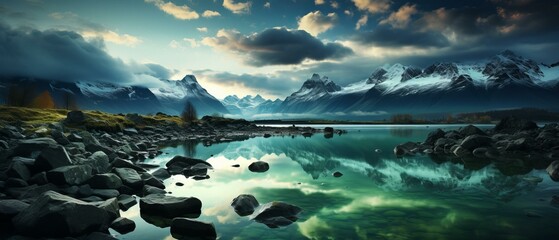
(378, 197)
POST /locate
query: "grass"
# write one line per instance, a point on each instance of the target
(95, 120)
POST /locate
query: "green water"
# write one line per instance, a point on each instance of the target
(379, 196)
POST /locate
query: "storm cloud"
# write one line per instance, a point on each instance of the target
(386, 36)
(277, 46)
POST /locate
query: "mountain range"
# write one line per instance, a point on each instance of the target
(504, 81)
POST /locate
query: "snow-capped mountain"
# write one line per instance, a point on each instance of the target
(249, 105)
(504, 81)
(175, 93)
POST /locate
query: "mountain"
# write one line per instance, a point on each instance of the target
(501, 82)
(250, 105)
(94, 96)
(175, 93)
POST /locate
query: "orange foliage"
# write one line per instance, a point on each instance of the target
(44, 100)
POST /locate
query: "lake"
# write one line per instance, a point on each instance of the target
(379, 195)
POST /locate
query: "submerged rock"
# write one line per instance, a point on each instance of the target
(244, 204)
(337, 174)
(178, 163)
(277, 214)
(169, 206)
(183, 228)
(259, 166)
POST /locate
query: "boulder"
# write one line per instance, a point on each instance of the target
(53, 157)
(105, 193)
(337, 174)
(553, 170)
(475, 141)
(99, 161)
(169, 206)
(152, 181)
(434, 136)
(178, 163)
(258, 166)
(471, 130)
(161, 174)
(244, 204)
(105, 181)
(15, 183)
(75, 117)
(123, 225)
(10, 208)
(121, 163)
(512, 125)
(152, 190)
(183, 228)
(73, 137)
(126, 201)
(520, 144)
(18, 169)
(111, 207)
(27, 147)
(92, 147)
(198, 169)
(129, 177)
(329, 130)
(277, 214)
(57, 215)
(70, 175)
(39, 179)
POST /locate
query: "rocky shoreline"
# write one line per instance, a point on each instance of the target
(57, 173)
(514, 146)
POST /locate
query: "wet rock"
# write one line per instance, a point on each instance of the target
(3, 145)
(105, 193)
(111, 207)
(129, 177)
(244, 204)
(75, 117)
(152, 190)
(152, 181)
(75, 138)
(518, 145)
(267, 135)
(105, 181)
(183, 228)
(130, 131)
(258, 166)
(512, 124)
(405, 149)
(99, 162)
(126, 201)
(53, 157)
(121, 163)
(475, 141)
(337, 174)
(161, 174)
(57, 215)
(236, 165)
(70, 175)
(329, 130)
(434, 136)
(178, 163)
(553, 170)
(123, 225)
(196, 170)
(277, 214)
(471, 130)
(169, 206)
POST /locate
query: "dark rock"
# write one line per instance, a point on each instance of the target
(152, 181)
(85, 190)
(32, 191)
(111, 207)
(337, 174)
(105, 193)
(53, 157)
(57, 215)
(152, 190)
(91, 199)
(512, 124)
(130, 131)
(28, 146)
(277, 214)
(405, 149)
(16, 183)
(129, 177)
(480, 152)
(201, 177)
(99, 162)
(92, 147)
(126, 201)
(39, 179)
(196, 170)
(471, 130)
(169, 206)
(10, 208)
(75, 138)
(161, 173)
(518, 145)
(105, 181)
(258, 166)
(329, 130)
(123, 225)
(3, 145)
(18, 169)
(75, 117)
(183, 228)
(553, 170)
(267, 135)
(121, 163)
(71, 175)
(475, 141)
(99, 236)
(434, 136)
(178, 163)
(244, 204)
(235, 165)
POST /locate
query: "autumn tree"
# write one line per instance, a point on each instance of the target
(189, 113)
(43, 100)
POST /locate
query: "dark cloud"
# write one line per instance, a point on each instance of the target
(385, 36)
(277, 46)
(157, 71)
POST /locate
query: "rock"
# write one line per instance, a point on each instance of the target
(161, 174)
(126, 201)
(152, 181)
(533, 179)
(512, 125)
(434, 136)
(85, 190)
(236, 165)
(471, 130)
(99, 162)
(267, 135)
(71, 175)
(179, 184)
(111, 207)
(130, 131)
(405, 149)
(99, 236)
(337, 174)
(129, 177)
(105, 193)
(53, 157)
(183, 228)
(18, 169)
(39, 179)
(105, 181)
(121, 163)
(10, 208)
(169, 206)
(92, 147)
(178, 163)
(475, 141)
(329, 130)
(57, 215)
(92, 199)
(152, 190)
(16, 183)
(258, 166)
(277, 214)
(553, 170)
(520, 144)
(244, 204)
(480, 152)
(75, 138)
(123, 225)
(3, 145)
(196, 170)
(27, 147)
(75, 117)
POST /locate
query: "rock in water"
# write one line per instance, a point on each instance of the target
(277, 214)
(512, 125)
(130, 177)
(337, 174)
(169, 206)
(178, 163)
(57, 215)
(183, 228)
(553, 170)
(434, 136)
(259, 166)
(123, 225)
(475, 141)
(244, 204)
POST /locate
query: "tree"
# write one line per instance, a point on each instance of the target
(43, 100)
(189, 113)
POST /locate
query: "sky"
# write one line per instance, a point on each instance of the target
(266, 47)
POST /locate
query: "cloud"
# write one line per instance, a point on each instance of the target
(155, 70)
(267, 5)
(276, 46)
(113, 37)
(315, 23)
(179, 12)
(202, 29)
(400, 18)
(334, 4)
(193, 43)
(179, 45)
(209, 14)
(373, 6)
(361, 22)
(347, 12)
(318, 2)
(383, 36)
(237, 8)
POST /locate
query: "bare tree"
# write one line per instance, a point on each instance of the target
(189, 113)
